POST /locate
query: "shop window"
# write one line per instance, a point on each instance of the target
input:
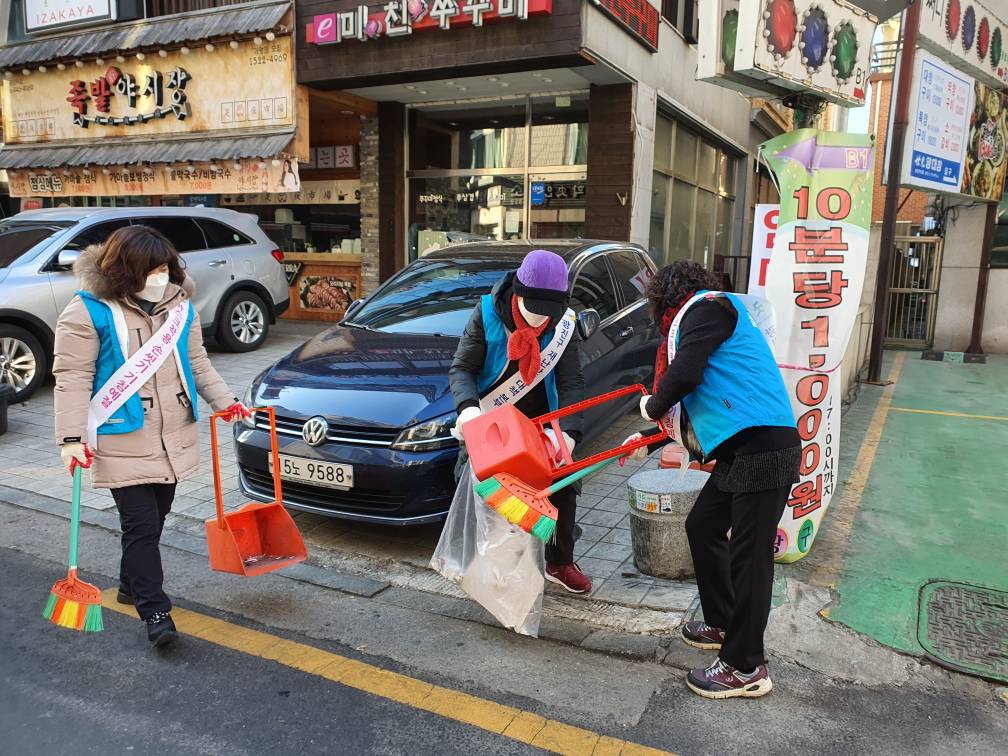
(683, 15)
(182, 232)
(680, 222)
(999, 250)
(685, 165)
(559, 130)
(469, 138)
(631, 276)
(96, 234)
(664, 136)
(219, 236)
(594, 289)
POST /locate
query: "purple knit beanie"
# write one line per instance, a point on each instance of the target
(542, 282)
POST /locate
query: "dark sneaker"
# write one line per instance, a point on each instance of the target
(161, 629)
(720, 680)
(124, 596)
(569, 576)
(702, 635)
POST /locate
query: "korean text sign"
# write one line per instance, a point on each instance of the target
(764, 234)
(815, 284)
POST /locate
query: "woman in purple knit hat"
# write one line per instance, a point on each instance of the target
(504, 340)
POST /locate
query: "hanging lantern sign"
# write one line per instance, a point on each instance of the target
(819, 47)
(719, 25)
(969, 35)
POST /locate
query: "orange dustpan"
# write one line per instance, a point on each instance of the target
(258, 537)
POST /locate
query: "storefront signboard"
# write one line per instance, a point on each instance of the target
(400, 18)
(50, 15)
(958, 139)
(291, 270)
(252, 176)
(716, 45)
(821, 47)
(203, 91)
(764, 233)
(312, 193)
(969, 35)
(330, 293)
(815, 283)
(638, 17)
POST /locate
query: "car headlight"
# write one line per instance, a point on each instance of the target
(429, 436)
(247, 400)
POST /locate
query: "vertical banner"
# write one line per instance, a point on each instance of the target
(815, 284)
(764, 234)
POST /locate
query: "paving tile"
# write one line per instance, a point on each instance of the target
(592, 533)
(599, 517)
(598, 569)
(615, 551)
(614, 504)
(621, 591)
(665, 594)
(618, 535)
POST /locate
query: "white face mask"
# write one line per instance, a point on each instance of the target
(155, 288)
(531, 318)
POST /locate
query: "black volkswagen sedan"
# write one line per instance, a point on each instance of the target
(364, 411)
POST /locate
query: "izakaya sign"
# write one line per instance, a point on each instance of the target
(399, 18)
(815, 283)
(249, 177)
(206, 90)
(42, 15)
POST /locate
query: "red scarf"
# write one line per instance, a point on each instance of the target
(661, 359)
(523, 344)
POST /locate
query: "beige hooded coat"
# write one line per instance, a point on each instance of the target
(166, 448)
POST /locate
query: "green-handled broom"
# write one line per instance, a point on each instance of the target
(72, 602)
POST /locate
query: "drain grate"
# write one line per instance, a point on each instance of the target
(965, 628)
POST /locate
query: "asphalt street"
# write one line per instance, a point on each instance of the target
(74, 693)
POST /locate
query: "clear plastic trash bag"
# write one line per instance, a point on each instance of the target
(497, 564)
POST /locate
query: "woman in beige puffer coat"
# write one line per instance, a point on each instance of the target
(138, 269)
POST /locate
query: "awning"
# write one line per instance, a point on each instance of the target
(132, 151)
(248, 18)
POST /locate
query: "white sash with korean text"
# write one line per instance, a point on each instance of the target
(137, 369)
(514, 388)
(760, 312)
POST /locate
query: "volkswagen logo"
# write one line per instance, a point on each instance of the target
(315, 431)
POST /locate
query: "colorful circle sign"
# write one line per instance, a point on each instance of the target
(781, 20)
(781, 542)
(814, 38)
(804, 540)
(996, 48)
(845, 50)
(968, 28)
(729, 33)
(952, 14)
(983, 38)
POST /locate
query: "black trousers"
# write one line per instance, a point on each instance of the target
(142, 513)
(735, 577)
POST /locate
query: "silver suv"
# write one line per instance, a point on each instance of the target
(240, 283)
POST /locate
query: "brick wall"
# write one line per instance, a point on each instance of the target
(914, 204)
(369, 209)
(610, 162)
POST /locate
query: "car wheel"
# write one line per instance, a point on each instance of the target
(24, 364)
(244, 322)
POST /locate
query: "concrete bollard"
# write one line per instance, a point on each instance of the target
(659, 503)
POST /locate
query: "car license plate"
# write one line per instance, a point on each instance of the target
(328, 474)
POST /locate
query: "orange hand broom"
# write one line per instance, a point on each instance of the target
(72, 602)
(524, 506)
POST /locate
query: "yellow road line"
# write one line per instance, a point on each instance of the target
(843, 513)
(949, 414)
(516, 724)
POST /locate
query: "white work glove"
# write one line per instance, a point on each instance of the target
(469, 413)
(75, 453)
(643, 408)
(636, 454)
(568, 442)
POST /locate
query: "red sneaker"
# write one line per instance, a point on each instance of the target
(702, 635)
(569, 576)
(720, 680)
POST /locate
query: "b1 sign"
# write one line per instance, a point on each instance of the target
(764, 234)
(43, 15)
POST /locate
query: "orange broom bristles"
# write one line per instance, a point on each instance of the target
(75, 604)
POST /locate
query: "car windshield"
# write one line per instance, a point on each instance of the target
(432, 296)
(17, 237)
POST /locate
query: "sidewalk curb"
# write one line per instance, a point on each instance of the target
(582, 634)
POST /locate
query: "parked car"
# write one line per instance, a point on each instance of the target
(240, 283)
(364, 410)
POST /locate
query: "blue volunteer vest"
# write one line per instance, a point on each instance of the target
(496, 357)
(129, 417)
(742, 386)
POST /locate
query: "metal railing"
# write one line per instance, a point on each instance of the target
(913, 292)
(883, 57)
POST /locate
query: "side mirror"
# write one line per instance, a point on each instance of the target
(354, 306)
(67, 258)
(588, 323)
